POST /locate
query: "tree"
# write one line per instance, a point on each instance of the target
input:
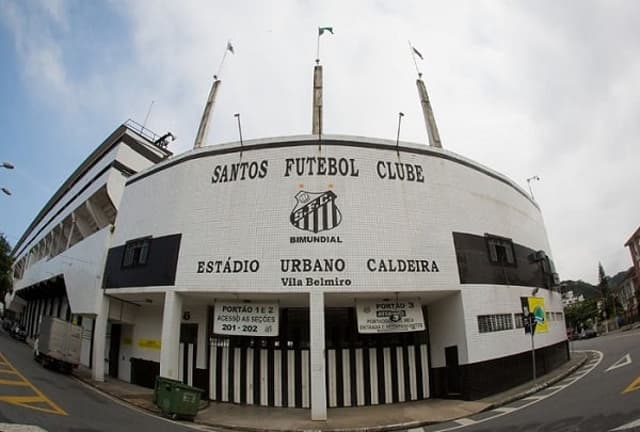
(579, 315)
(5, 267)
(608, 299)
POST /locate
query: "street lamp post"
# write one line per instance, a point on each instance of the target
(7, 165)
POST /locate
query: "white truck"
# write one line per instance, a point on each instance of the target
(58, 344)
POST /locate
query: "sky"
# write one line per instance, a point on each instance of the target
(528, 88)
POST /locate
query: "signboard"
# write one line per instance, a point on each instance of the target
(389, 316)
(246, 319)
(534, 315)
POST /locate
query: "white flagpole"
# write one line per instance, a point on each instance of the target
(415, 63)
(224, 56)
(318, 48)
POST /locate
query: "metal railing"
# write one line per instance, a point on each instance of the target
(141, 130)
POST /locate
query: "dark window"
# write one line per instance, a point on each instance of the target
(500, 250)
(136, 253)
(519, 318)
(493, 323)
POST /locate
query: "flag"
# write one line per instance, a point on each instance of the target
(417, 53)
(230, 48)
(323, 29)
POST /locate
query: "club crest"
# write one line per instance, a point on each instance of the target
(315, 211)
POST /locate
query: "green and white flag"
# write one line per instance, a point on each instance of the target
(321, 30)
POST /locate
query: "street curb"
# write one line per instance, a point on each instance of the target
(414, 424)
(381, 428)
(540, 386)
(91, 384)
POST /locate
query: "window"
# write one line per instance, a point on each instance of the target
(136, 253)
(500, 250)
(519, 319)
(493, 323)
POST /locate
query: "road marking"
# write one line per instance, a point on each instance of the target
(8, 427)
(633, 424)
(465, 421)
(13, 382)
(635, 385)
(624, 361)
(29, 401)
(505, 410)
(534, 397)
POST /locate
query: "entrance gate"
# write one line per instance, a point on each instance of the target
(361, 369)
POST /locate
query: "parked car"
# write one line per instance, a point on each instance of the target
(7, 324)
(588, 334)
(18, 332)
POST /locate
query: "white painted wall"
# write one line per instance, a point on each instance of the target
(381, 219)
(82, 266)
(446, 328)
(487, 300)
(148, 326)
(126, 348)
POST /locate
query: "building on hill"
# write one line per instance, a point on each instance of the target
(625, 293)
(633, 243)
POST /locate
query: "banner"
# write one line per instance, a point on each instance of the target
(534, 306)
(246, 319)
(389, 316)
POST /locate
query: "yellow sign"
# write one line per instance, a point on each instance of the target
(149, 343)
(536, 307)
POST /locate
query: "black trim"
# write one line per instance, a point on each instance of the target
(479, 380)
(230, 371)
(218, 372)
(160, 268)
(367, 375)
(475, 266)
(144, 372)
(405, 368)
(339, 382)
(257, 400)
(382, 397)
(243, 375)
(331, 142)
(352, 377)
(124, 170)
(393, 356)
(271, 378)
(297, 361)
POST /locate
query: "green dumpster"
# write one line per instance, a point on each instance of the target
(176, 399)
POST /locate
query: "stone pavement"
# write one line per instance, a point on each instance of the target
(406, 415)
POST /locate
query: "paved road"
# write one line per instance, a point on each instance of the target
(30, 394)
(598, 397)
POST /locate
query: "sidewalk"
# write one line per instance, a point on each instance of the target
(372, 418)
